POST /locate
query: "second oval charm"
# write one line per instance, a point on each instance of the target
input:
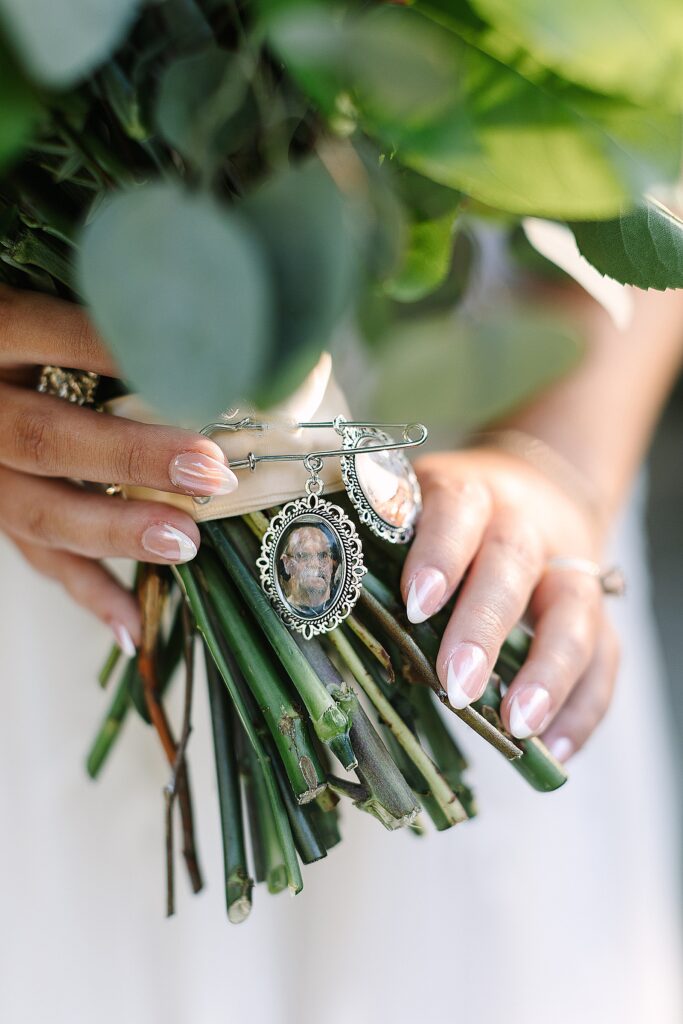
(382, 485)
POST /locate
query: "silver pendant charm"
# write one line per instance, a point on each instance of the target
(311, 561)
(381, 484)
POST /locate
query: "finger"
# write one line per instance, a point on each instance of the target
(588, 701)
(448, 535)
(48, 436)
(567, 609)
(40, 329)
(93, 587)
(492, 600)
(56, 514)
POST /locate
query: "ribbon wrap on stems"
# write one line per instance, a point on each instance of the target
(319, 397)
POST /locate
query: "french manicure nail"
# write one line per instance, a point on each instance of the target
(164, 541)
(467, 675)
(123, 639)
(196, 473)
(561, 748)
(528, 711)
(425, 594)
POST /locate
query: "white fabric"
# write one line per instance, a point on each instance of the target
(318, 399)
(557, 908)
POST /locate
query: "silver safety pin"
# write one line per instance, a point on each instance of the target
(339, 423)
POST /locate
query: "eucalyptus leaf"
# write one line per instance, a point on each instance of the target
(179, 290)
(426, 260)
(19, 108)
(629, 47)
(60, 42)
(643, 247)
(198, 98)
(307, 230)
(459, 375)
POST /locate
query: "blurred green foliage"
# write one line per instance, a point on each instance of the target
(226, 183)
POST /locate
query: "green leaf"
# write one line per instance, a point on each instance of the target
(308, 233)
(629, 47)
(19, 108)
(179, 290)
(426, 260)
(643, 247)
(60, 41)
(198, 99)
(529, 145)
(460, 375)
(402, 72)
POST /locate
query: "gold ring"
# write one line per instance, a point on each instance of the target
(76, 386)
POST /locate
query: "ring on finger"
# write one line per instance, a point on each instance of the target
(76, 386)
(612, 580)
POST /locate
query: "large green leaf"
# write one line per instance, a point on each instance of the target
(179, 290)
(523, 144)
(60, 41)
(19, 108)
(643, 247)
(631, 47)
(307, 230)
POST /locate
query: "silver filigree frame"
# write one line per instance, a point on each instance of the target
(349, 543)
(352, 438)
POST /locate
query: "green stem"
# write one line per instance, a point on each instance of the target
(388, 797)
(111, 725)
(238, 884)
(110, 664)
(440, 789)
(198, 604)
(537, 765)
(419, 646)
(328, 719)
(284, 721)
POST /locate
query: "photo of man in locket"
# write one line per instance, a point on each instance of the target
(309, 567)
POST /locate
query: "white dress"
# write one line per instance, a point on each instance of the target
(559, 908)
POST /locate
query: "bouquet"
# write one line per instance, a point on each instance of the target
(235, 182)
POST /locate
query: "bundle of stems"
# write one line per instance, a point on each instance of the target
(299, 726)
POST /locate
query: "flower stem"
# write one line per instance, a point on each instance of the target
(238, 884)
(230, 542)
(196, 596)
(440, 789)
(286, 725)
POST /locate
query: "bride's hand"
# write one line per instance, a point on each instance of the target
(491, 521)
(62, 529)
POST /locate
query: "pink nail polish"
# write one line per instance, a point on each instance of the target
(164, 541)
(425, 594)
(467, 674)
(561, 748)
(528, 711)
(123, 639)
(195, 473)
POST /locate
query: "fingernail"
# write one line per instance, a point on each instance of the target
(425, 594)
(164, 541)
(195, 473)
(123, 639)
(561, 748)
(467, 675)
(528, 711)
